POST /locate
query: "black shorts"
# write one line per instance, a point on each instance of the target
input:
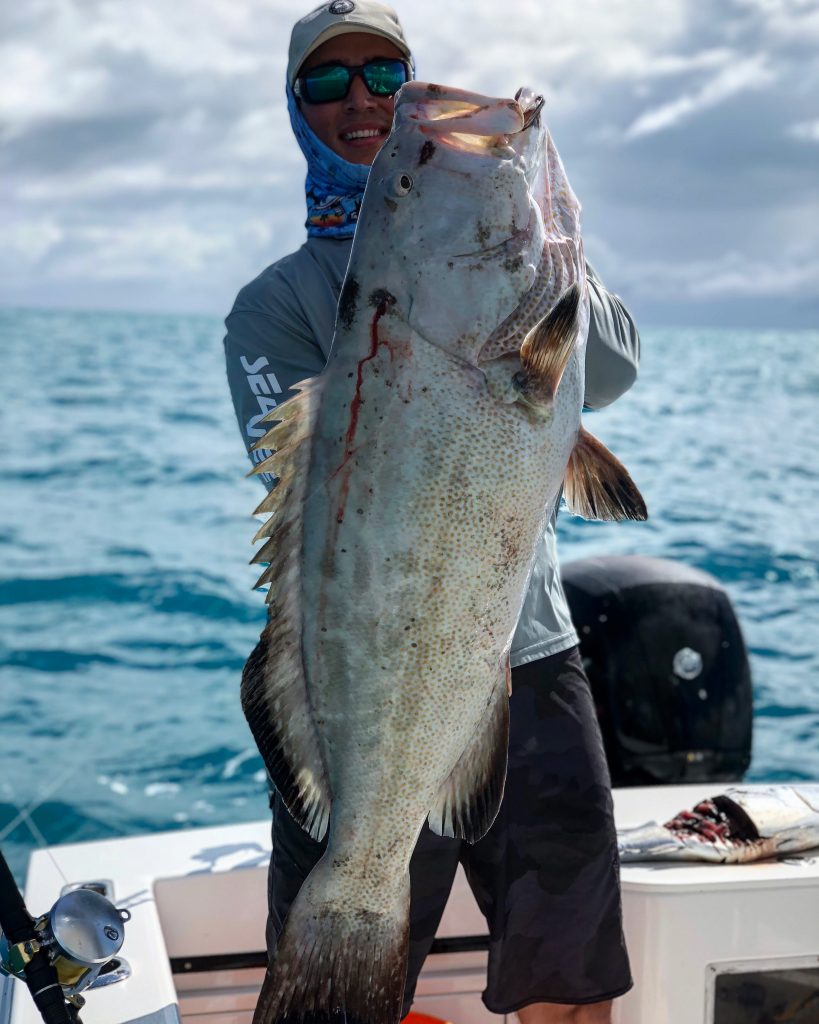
(545, 875)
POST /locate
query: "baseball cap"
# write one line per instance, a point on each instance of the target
(337, 18)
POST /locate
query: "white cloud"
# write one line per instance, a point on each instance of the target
(151, 248)
(739, 277)
(730, 276)
(255, 136)
(566, 48)
(751, 73)
(185, 37)
(30, 241)
(633, 62)
(69, 60)
(789, 20)
(146, 179)
(137, 177)
(807, 131)
(38, 84)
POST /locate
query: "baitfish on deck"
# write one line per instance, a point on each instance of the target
(738, 826)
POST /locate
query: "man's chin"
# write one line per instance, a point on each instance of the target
(358, 154)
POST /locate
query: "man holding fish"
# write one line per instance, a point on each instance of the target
(401, 559)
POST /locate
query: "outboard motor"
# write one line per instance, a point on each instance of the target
(668, 668)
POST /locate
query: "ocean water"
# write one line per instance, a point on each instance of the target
(126, 601)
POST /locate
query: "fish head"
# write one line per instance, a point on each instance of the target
(452, 227)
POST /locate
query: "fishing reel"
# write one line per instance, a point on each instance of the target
(81, 936)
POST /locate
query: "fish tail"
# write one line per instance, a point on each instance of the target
(350, 962)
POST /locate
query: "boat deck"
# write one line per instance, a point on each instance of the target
(198, 903)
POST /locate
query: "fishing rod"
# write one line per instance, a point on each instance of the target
(61, 953)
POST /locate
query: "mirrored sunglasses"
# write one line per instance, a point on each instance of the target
(331, 82)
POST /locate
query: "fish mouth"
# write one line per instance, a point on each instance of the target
(531, 103)
(483, 126)
(468, 121)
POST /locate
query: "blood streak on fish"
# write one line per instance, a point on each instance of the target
(355, 405)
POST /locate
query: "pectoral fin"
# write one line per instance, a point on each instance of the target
(547, 349)
(598, 486)
(468, 801)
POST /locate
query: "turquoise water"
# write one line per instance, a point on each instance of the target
(126, 609)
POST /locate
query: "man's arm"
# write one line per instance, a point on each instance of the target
(613, 348)
(265, 356)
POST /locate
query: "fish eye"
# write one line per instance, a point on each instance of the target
(401, 184)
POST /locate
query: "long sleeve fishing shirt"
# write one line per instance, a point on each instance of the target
(280, 330)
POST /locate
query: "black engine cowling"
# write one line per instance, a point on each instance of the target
(668, 668)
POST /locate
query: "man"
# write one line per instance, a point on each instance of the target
(546, 874)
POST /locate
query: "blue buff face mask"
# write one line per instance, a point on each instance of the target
(334, 187)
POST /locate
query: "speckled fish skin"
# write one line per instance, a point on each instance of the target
(426, 486)
(417, 551)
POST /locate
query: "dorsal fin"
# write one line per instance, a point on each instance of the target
(598, 486)
(275, 698)
(289, 439)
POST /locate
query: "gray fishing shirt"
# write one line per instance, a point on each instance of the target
(280, 330)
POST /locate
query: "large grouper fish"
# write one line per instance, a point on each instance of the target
(415, 478)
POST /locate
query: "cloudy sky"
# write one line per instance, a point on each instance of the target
(147, 161)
